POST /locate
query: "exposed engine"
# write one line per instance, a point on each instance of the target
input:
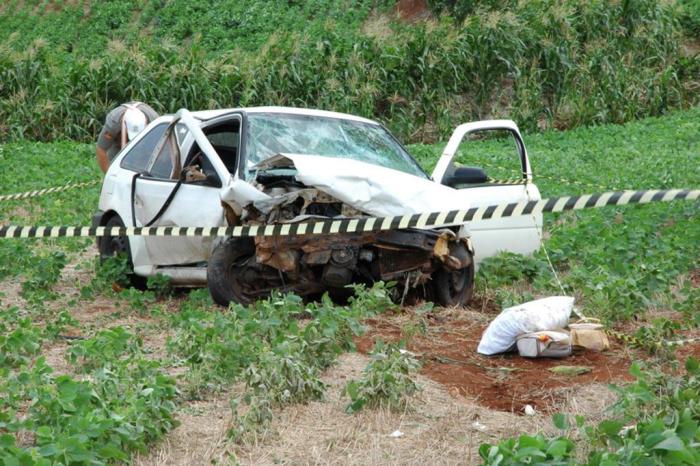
(309, 265)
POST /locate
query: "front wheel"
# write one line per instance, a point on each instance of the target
(454, 287)
(228, 269)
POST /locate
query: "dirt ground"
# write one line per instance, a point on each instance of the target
(466, 399)
(504, 382)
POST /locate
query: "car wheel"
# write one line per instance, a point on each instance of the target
(454, 287)
(225, 271)
(111, 246)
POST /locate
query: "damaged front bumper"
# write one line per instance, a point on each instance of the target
(317, 264)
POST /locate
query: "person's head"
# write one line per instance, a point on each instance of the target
(134, 122)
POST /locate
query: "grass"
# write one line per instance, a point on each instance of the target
(622, 263)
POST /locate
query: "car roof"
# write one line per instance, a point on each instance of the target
(209, 114)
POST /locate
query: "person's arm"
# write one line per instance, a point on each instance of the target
(109, 136)
(104, 142)
(102, 159)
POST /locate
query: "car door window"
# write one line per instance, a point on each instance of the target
(167, 158)
(225, 138)
(498, 152)
(138, 157)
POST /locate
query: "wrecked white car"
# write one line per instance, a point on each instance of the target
(257, 166)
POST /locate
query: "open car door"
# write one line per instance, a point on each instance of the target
(516, 234)
(181, 187)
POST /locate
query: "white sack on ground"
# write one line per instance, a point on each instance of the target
(534, 316)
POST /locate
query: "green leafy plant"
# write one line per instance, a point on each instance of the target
(160, 285)
(528, 449)
(111, 271)
(690, 17)
(19, 342)
(276, 379)
(222, 345)
(123, 403)
(656, 421)
(507, 268)
(139, 301)
(56, 326)
(549, 63)
(106, 346)
(385, 382)
(44, 274)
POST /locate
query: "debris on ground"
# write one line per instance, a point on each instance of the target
(550, 313)
(546, 344)
(504, 382)
(479, 426)
(570, 371)
(589, 335)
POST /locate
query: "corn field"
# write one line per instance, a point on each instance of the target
(545, 64)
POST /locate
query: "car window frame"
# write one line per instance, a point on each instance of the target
(519, 147)
(241, 116)
(170, 131)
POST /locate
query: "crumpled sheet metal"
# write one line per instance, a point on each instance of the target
(239, 193)
(371, 189)
(376, 190)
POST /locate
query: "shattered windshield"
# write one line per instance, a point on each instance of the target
(270, 134)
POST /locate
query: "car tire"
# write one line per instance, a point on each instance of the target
(221, 280)
(454, 287)
(110, 246)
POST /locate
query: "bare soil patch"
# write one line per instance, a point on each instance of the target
(412, 10)
(695, 278)
(506, 382)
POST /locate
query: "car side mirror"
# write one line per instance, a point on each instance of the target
(465, 175)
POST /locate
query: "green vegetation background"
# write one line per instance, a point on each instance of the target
(545, 63)
(631, 262)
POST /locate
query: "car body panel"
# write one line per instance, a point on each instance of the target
(192, 205)
(376, 190)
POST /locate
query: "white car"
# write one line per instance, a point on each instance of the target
(255, 166)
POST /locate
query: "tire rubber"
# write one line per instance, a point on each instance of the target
(444, 295)
(219, 273)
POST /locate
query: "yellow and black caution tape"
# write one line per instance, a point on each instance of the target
(537, 175)
(507, 181)
(367, 224)
(41, 192)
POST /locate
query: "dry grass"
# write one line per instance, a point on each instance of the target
(200, 439)
(439, 428)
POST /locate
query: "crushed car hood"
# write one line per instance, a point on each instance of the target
(373, 189)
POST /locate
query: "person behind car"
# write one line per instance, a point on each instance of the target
(122, 124)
